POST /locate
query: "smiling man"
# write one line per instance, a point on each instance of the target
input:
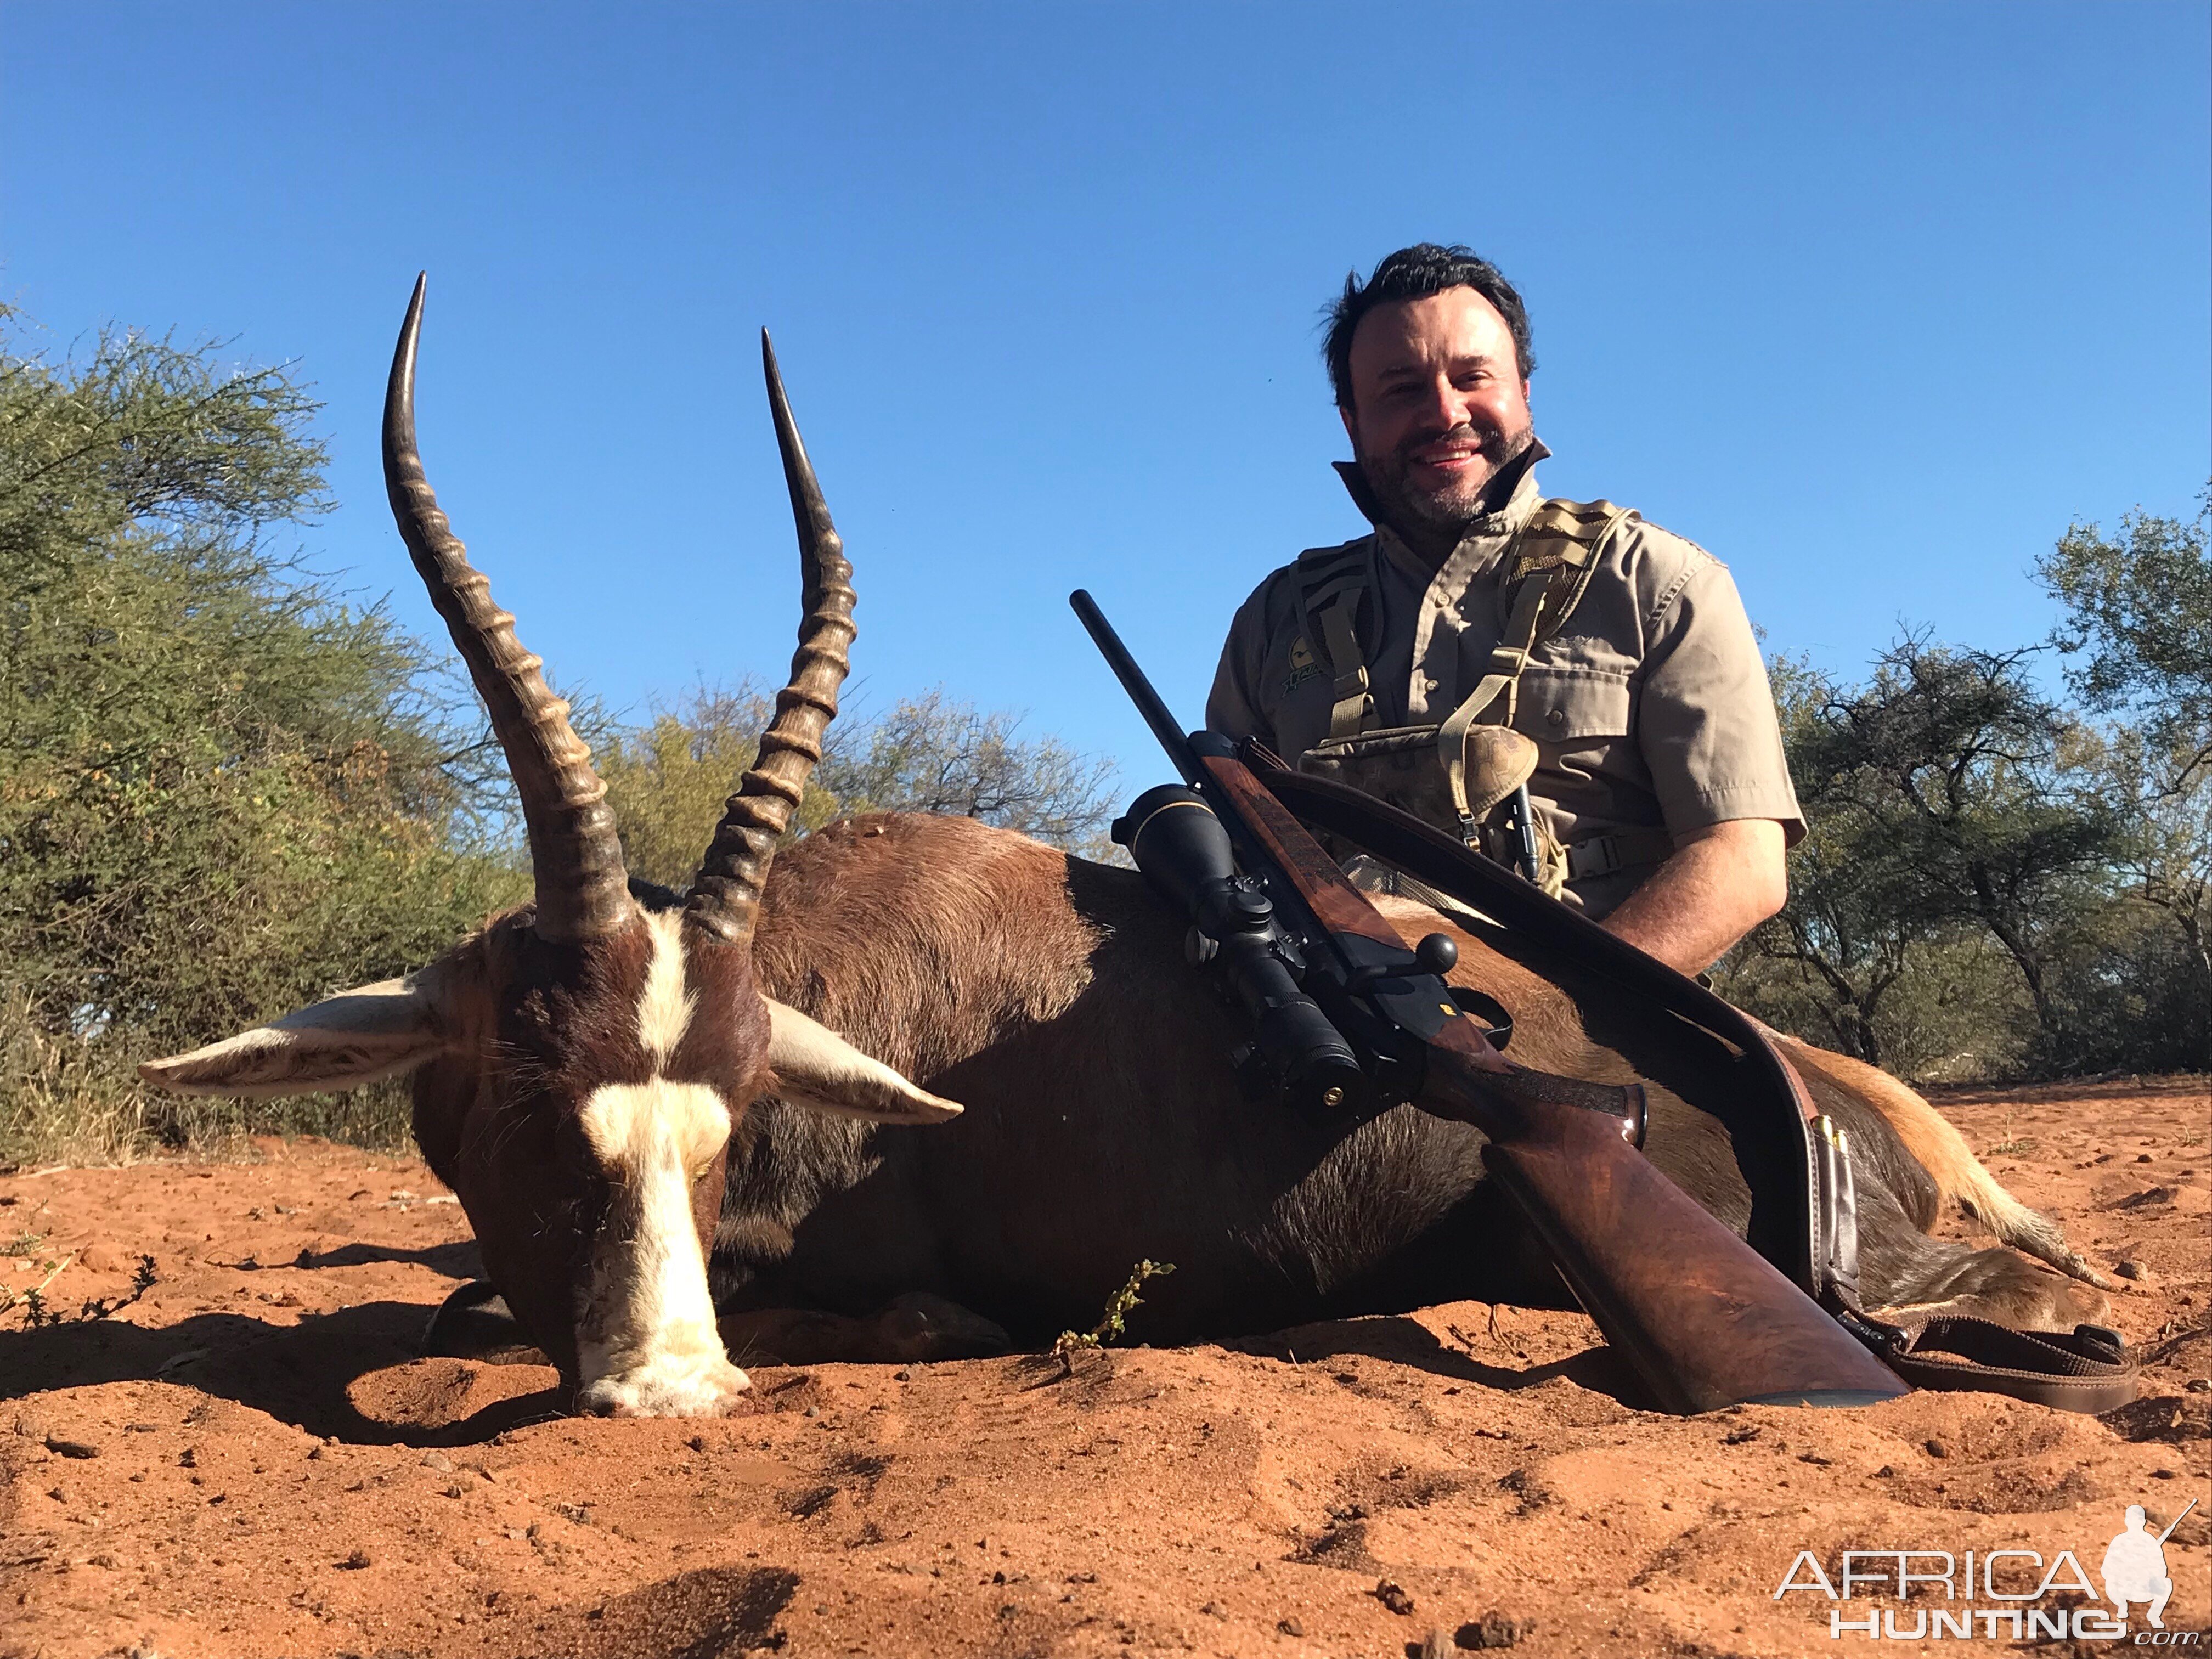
(1482, 639)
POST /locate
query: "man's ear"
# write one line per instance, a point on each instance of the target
(1351, 425)
(357, 1037)
(814, 1067)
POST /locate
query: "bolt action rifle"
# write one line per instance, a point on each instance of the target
(1347, 1018)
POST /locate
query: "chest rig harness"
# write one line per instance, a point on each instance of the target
(1472, 770)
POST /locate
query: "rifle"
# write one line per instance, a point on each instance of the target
(1347, 1018)
(2175, 1522)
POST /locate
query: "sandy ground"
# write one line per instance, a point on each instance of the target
(248, 1460)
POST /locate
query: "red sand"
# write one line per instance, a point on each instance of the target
(246, 1461)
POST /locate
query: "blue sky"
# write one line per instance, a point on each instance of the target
(1871, 301)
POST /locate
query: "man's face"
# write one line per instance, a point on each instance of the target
(1438, 405)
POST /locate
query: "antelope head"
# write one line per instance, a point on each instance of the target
(577, 1066)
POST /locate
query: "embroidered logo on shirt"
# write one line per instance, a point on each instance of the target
(1302, 665)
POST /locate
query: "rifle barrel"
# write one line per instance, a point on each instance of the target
(2175, 1522)
(1157, 714)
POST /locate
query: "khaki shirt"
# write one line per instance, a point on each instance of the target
(1650, 709)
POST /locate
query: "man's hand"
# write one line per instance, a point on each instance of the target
(1721, 882)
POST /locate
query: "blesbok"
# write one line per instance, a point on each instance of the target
(636, 1093)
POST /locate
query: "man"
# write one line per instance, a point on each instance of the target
(2134, 1568)
(1481, 638)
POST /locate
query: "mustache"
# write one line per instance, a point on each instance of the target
(1494, 446)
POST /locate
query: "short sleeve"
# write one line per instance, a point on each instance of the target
(1231, 708)
(1705, 722)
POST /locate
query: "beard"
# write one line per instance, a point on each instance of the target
(1438, 518)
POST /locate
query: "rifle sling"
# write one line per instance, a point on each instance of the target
(2087, 1371)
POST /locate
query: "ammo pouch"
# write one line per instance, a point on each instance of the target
(1410, 767)
(1461, 774)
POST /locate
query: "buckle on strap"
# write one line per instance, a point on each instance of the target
(1625, 849)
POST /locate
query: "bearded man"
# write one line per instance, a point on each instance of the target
(1486, 652)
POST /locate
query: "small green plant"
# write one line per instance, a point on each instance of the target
(2012, 1144)
(32, 1302)
(37, 1315)
(1112, 1323)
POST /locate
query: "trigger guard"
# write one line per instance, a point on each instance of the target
(1487, 1009)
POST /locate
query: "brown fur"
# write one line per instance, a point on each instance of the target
(1960, 1178)
(540, 1027)
(1049, 996)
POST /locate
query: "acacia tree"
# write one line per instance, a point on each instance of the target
(2138, 627)
(224, 790)
(667, 780)
(1940, 823)
(1946, 762)
(1849, 932)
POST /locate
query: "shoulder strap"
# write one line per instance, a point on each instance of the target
(1552, 558)
(1551, 561)
(1561, 541)
(1332, 581)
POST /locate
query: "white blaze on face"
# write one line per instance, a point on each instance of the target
(647, 1346)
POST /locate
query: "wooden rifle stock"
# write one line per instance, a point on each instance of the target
(1703, 1318)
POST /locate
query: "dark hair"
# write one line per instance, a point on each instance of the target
(1415, 273)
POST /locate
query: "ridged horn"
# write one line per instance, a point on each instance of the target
(583, 891)
(725, 894)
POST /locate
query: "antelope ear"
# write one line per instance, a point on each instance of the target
(814, 1067)
(357, 1037)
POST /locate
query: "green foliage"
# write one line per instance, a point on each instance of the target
(224, 791)
(1111, 1323)
(930, 754)
(667, 780)
(1990, 884)
(1941, 770)
(2139, 623)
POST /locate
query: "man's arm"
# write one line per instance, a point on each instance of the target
(1721, 882)
(1707, 727)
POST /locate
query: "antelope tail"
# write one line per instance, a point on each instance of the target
(1959, 1175)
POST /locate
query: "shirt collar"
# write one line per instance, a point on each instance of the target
(1506, 499)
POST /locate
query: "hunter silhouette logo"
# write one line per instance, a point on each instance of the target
(2134, 1568)
(2014, 1584)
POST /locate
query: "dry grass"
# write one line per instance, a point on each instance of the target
(64, 1100)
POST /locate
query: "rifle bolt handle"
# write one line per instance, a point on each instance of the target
(1436, 954)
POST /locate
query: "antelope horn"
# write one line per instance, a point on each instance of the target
(726, 893)
(575, 855)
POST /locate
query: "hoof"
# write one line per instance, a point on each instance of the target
(474, 1323)
(920, 1326)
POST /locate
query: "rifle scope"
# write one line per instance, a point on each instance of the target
(1185, 853)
